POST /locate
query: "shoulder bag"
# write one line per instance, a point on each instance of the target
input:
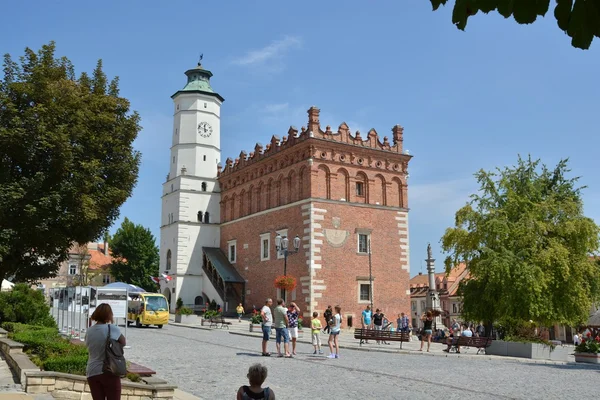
(114, 360)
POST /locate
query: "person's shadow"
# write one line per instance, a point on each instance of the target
(248, 354)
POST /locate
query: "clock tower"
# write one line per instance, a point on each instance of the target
(191, 195)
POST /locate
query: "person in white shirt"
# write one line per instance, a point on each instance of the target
(267, 322)
(576, 339)
(336, 324)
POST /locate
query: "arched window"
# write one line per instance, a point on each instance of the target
(199, 216)
(168, 259)
(204, 186)
(206, 218)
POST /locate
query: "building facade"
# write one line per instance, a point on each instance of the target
(87, 265)
(447, 287)
(340, 193)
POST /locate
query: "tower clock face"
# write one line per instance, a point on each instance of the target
(204, 129)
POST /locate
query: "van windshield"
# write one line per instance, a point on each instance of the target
(156, 303)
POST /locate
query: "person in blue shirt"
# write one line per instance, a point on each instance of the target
(367, 315)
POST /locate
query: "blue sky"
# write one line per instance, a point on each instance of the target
(467, 100)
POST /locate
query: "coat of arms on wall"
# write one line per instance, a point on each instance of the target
(336, 237)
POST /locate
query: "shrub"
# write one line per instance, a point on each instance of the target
(133, 377)
(184, 311)
(48, 349)
(210, 314)
(25, 305)
(213, 305)
(69, 364)
(179, 303)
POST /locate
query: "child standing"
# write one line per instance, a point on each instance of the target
(315, 325)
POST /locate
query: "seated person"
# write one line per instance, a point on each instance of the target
(256, 377)
(450, 341)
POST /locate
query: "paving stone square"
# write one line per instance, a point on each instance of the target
(212, 364)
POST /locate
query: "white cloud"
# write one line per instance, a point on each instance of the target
(271, 53)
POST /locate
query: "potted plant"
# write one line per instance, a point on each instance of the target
(589, 350)
(285, 282)
(208, 314)
(185, 315)
(255, 321)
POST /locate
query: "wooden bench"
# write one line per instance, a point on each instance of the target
(480, 343)
(216, 321)
(386, 336)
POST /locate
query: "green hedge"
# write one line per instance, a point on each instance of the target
(48, 349)
(69, 364)
(26, 305)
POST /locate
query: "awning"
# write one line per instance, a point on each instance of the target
(226, 271)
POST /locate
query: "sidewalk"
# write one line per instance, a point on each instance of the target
(347, 341)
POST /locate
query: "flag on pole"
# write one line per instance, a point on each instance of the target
(167, 277)
(155, 280)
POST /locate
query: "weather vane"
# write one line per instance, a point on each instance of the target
(201, 57)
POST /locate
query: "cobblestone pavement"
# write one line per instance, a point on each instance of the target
(212, 364)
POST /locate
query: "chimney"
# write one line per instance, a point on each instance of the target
(313, 120)
(397, 135)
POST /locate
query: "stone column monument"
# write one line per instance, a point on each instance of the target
(433, 297)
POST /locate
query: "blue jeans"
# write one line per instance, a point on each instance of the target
(282, 333)
(266, 332)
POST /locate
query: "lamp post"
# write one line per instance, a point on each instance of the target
(282, 245)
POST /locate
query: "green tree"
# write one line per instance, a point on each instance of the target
(527, 245)
(579, 19)
(25, 305)
(66, 160)
(135, 255)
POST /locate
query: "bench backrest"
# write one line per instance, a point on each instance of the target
(372, 333)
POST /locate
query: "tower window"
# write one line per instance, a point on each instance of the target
(176, 131)
(206, 218)
(173, 159)
(205, 158)
(169, 259)
(205, 105)
(360, 189)
(177, 106)
(204, 186)
(199, 216)
(171, 187)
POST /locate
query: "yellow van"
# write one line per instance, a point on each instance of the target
(147, 309)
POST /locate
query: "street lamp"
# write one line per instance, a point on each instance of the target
(282, 245)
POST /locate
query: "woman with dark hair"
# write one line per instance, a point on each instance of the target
(104, 386)
(427, 330)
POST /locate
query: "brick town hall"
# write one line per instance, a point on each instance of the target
(329, 193)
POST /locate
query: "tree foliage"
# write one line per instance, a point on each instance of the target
(527, 245)
(579, 19)
(66, 160)
(135, 255)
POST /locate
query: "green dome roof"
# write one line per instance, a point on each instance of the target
(199, 82)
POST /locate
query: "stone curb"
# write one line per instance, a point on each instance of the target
(420, 353)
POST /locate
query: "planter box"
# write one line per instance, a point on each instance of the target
(255, 328)
(589, 358)
(535, 351)
(186, 319)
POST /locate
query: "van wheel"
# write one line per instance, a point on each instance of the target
(159, 326)
(138, 324)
